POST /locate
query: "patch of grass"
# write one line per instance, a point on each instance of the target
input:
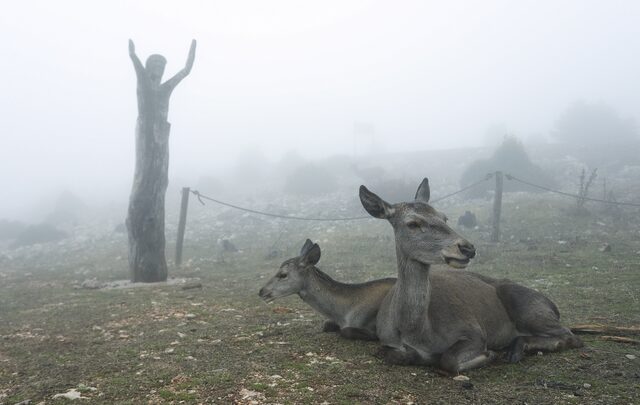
(138, 346)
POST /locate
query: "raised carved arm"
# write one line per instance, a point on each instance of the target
(177, 78)
(140, 71)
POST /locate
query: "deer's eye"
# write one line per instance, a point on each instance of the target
(413, 225)
(282, 275)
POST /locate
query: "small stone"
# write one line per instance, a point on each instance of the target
(586, 385)
(190, 316)
(605, 247)
(461, 378)
(169, 350)
(630, 356)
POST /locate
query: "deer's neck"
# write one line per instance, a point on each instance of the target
(413, 291)
(326, 295)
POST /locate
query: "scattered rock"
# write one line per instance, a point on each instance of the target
(191, 286)
(228, 246)
(248, 394)
(468, 220)
(72, 394)
(91, 284)
(468, 385)
(461, 378)
(605, 247)
(586, 386)
(282, 310)
(630, 356)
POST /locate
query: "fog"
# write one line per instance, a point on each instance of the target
(315, 78)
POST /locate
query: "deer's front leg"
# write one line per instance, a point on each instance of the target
(465, 355)
(405, 356)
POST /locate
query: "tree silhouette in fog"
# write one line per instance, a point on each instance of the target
(594, 123)
(597, 133)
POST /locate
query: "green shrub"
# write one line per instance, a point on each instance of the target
(510, 158)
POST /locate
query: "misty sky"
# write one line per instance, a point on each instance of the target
(277, 76)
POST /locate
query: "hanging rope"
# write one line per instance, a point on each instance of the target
(487, 177)
(202, 197)
(513, 178)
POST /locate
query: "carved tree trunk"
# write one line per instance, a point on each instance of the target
(145, 220)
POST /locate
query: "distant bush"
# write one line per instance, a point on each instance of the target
(598, 135)
(68, 209)
(511, 158)
(11, 229)
(310, 179)
(42, 233)
(595, 124)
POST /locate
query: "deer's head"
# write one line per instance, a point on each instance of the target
(421, 232)
(290, 278)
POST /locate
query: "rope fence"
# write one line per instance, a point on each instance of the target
(201, 197)
(514, 178)
(496, 214)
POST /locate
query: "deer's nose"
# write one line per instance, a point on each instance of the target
(467, 249)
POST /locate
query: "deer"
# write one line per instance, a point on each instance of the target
(350, 309)
(449, 317)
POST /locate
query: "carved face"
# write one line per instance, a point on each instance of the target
(290, 278)
(155, 67)
(421, 232)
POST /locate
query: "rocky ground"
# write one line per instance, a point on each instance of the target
(68, 328)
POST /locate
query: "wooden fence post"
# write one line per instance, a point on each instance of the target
(182, 223)
(497, 208)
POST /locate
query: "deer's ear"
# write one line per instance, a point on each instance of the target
(312, 256)
(305, 248)
(375, 206)
(423, 192)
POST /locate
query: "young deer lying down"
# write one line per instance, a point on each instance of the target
(351, 309)
(453, 318)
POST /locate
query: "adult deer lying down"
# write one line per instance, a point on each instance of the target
(351, 309)
(454, 319)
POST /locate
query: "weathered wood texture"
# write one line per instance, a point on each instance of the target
(145, 217)
(182, 223)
